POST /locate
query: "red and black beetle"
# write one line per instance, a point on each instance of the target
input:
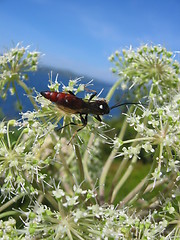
(70, 104)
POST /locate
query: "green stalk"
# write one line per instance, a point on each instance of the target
(67, 169)
(126, 174)
(112, 90)
(28, 91)
(51, 200)
(85, 160)
(124, 163)
(8, 138)
(12, 201)
(79, 162)
(118, 173)
(109, 162)
(124, 178)
(6, 214)
(147, 178)
(129, 169)
(20, 136)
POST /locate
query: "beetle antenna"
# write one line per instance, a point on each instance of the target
(122, 104)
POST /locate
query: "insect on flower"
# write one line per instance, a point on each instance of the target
(71, 104)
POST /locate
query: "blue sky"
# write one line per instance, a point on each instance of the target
(80, 35)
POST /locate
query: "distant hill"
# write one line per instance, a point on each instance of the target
(39, 81)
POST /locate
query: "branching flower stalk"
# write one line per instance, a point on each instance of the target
(146, 182)
(127, 75)
(85, 161)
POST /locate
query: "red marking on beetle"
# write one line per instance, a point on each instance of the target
(66, 102)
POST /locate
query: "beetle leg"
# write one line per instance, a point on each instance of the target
(84, 120)
(92, 96)
(71, 123)
(71, 93)
(98, 118)
(84, 123)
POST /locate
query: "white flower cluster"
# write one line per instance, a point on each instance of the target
(75, 219)
(14, 66)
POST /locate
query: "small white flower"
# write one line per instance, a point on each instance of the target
(117, 142)
(58, 193)
(173, 165)
(171, 210)
(140, 128)
(78, 190)
(148, 147)
(130, 151)
(71, 201)
(96, 210)
(164, 223)
(157, 174)
(3, 128)
(79, 214)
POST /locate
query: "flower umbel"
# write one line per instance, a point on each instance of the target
(18, 167)
(14, 67)
(147, 64)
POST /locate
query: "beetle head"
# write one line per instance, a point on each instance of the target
(100, 107)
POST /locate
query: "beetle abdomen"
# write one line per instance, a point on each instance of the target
(53, 96)
(65, 101)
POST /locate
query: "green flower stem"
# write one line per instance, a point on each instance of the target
(158, 183)
(116, 177)
(14, 86)
(39, 200)
(61, 210)
(160, 155)
(8, 213)
(139, 139)
(79, 162)
(124, 178)
(28, 91)
(76, 233)
(8, 138)
(126, 174)
(85, 160)
(67, 169)
(68, 232)
(12, 201)
(6, 88)
(171, 183)
(65, 184)
(131, 166)
(133, 193)
(51, 200)
(19, 138)
(124, 163)
(137, 189)
(112, 90)
(147, 178)
(109, 161)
